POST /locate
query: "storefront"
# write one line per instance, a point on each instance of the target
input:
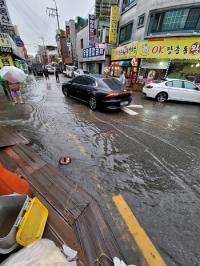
(124, 59)
(177, 58)
(152, 69)
(93, 60)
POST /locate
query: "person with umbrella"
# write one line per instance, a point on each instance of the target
(14, 76)
(16, 92)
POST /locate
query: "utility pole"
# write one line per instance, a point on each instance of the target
(53, 12)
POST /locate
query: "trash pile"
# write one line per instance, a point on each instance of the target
(22, 224)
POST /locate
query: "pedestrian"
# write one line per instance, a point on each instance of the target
(16, 92)
(122, 78)
(57, 75)
(46, 73)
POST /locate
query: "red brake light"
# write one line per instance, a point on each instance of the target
(117, 93)
(149, 87)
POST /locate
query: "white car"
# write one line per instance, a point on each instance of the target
(50, 69)
(80, 72)
(173, 89)
(69, 71)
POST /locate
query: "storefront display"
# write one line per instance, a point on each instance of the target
(152, 70)
(177, 58)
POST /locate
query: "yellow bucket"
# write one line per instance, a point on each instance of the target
(33, 223)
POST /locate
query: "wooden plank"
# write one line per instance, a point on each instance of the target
(96, 237)
(59, 230)
(24, 158)
(55, 187)
(10, 138)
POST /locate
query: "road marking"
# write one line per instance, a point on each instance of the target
(136, 106)
(128, 111)
(144, 243)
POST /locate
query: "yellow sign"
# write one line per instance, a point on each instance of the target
(6, 60)
(4, 40)
(188, 48)
(114, 24)
(125, 52)
(170, 49)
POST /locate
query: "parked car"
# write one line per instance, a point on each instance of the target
(98, 92)
(50, 69)
(37, 69)
(69, 71)
(173, 89)
(79, 72)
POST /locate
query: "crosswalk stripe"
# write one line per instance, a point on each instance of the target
(128, 111)
(136, 106)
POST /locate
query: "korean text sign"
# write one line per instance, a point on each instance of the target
(170, 49)
(114, 24)
(4, 15)
(125, 52)
(92, 29)
(188, 48)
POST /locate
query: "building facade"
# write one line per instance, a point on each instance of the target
(12, 50)
(164, 36)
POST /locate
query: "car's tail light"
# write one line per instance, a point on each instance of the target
(118, 93)
(149, 87)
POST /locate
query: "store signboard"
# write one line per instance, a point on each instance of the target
(114, 19)
(93, 54)
(170, 49)
(5, 40)
(4, 14)
(125, 52)
(188, 48)
(91, 34)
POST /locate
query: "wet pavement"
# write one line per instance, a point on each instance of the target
(149, 154)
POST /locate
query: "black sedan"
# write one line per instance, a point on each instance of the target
(98, 92)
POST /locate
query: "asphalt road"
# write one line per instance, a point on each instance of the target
(149, 153)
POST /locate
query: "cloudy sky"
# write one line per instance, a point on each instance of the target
(33, 22)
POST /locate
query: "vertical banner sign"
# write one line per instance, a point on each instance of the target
(91, 30)
(4, 14)
(114, 24)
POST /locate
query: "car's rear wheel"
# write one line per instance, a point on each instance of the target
(162, 97)
(93, 103)
(66, 92)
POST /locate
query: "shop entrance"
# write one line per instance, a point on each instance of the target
(99, 68)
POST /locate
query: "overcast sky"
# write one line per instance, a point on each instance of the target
(33, 22)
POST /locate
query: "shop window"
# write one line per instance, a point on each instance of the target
(182, 19)
(193, 18)
(141, 21)
(174, 20)
(128, 4)
(189, 85)
(125, 33)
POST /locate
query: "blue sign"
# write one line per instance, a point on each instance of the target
(93, 52)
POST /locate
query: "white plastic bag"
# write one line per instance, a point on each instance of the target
(42, 252)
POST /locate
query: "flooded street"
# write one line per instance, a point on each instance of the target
(149, 153)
